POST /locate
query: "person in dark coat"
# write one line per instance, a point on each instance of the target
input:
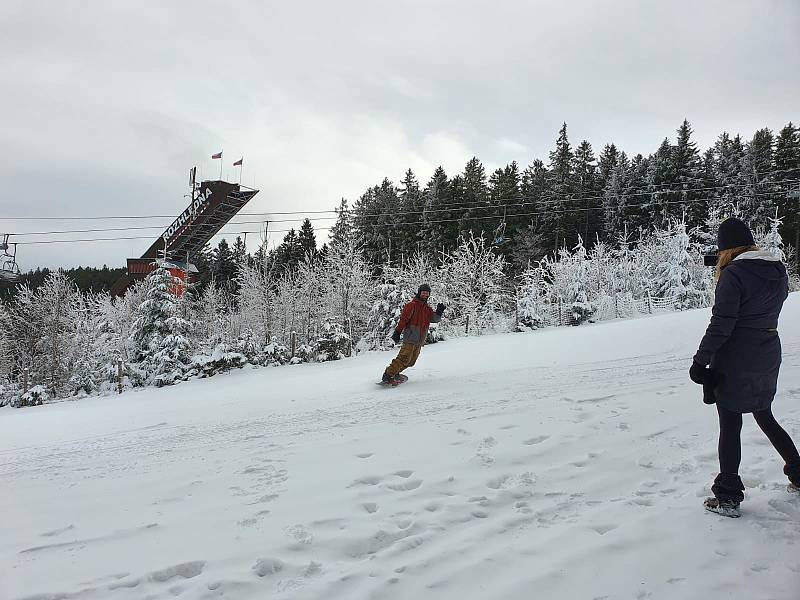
(415, 319)
(740, 356)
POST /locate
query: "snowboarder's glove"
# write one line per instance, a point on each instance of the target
(440, 309)
(396, 337)
(698, 373)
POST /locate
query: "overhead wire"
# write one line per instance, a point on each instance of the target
(372, 225)
(462, 206)
(319, 212)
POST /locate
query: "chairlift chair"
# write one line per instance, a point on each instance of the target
(9, 270)
(500, 238)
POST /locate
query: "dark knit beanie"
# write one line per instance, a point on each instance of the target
(734, 233)
(424, 288)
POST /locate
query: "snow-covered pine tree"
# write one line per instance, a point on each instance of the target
(672, 278)
(531, 292)
(223, 266)
(432, 234)
(757, 197)
(307, 241)
(406, 233)
(614, 199)
(161, 333)
(384, 314)
(568, 277)
(771, 240)
(786, 177)
(686, 171)
(580, 307)
(333, 342)
(661, 178)
(559, 190)
(342, 230)
(585, 184)
(474, 199)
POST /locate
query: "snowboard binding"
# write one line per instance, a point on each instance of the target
(392, 381)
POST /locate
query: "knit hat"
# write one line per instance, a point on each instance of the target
(424, 288)
(734, 233)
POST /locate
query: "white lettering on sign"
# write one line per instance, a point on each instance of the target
(193, 209)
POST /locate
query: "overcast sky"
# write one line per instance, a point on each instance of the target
(106, 105)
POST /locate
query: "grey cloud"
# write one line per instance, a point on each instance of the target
(107, 104)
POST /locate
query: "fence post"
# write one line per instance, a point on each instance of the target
(466, 326)
(350, 333)
(616, 305)
(25, 374)
(516, 309)
(649, 303)
(293, 338)
(119, 375)
(560, 317)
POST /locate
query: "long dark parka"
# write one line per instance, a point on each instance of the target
(741, 343)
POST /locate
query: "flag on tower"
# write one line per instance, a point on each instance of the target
(239, 162)
(217, 155)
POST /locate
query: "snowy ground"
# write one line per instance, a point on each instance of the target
(568, 463)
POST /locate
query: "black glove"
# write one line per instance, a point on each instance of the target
(440, 309)
(709, 397)
(396, 337)
(698, 373)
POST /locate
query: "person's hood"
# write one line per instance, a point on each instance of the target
(761, 263)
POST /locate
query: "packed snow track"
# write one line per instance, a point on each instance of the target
(564, 463)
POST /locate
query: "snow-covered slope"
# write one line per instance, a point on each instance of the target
(567, 463)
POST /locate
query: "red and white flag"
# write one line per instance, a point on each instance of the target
(217, 155)
(239, 162)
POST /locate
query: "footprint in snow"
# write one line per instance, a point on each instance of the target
(301, 536)
(184, 570)
(405, 486)
(536, 440)
(367, 480)
(267, 566)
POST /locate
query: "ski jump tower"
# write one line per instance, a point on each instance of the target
(213, 204)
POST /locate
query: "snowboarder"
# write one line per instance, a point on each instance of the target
(415, 319)
(740, 355)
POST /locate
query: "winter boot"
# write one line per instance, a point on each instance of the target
(728, 488)
(793, 489)
(728, 493)
(792, 471)
(726, 508)
(387, 379)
